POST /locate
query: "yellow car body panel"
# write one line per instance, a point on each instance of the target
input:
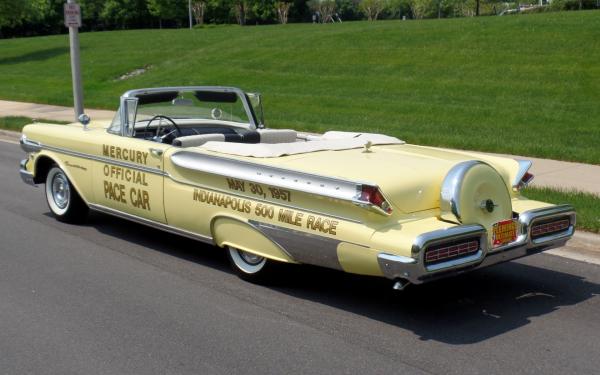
(139, 179)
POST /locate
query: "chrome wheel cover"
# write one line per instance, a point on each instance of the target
(60, 190)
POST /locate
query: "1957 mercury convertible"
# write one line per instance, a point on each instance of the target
(198, 161)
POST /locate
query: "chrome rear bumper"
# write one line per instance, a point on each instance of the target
(416, 271)
(26, 176)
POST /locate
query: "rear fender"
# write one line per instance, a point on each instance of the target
(230, 231)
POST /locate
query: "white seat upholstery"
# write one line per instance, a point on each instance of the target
(277, 135)
(198, 139)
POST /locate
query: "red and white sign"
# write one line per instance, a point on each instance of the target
(72, 15)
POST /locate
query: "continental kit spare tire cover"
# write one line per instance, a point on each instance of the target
(473, 192)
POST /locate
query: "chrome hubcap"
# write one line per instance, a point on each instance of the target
(250, 258)
(60, 190)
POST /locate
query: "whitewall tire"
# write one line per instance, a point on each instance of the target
(249, 266)
(62, 198)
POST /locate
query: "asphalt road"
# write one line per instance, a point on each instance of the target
(113, 297)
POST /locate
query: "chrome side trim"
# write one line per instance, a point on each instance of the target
(152, 223)
(101, 159)
(305, 182)
(325, 186)
(26, 176)
(451, 188)
(301, 246)
(29, 146)
(524, 166)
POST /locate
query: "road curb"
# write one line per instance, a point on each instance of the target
(583, 247)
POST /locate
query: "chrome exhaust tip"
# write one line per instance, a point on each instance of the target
(400, 284)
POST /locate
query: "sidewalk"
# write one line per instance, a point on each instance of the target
(554, 173)
(48, 112)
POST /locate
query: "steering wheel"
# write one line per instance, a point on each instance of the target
(175, 130)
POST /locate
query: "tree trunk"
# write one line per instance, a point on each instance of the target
(477, 8)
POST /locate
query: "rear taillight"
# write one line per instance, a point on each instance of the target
(527, 178)
(446, 252)
(372, 195)
(549, 227)
(523, 177)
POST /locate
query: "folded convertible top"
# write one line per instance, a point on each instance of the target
(330, 141)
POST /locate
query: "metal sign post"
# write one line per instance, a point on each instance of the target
(73, 22)
(190, 12)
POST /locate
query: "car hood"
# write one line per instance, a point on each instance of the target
(410, 176)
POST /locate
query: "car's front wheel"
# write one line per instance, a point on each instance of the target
(250, 267)
(63, 200)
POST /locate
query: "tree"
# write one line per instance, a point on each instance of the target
(167, 9)
(198, 8)
(423, 8)
(372, 8)
(240, 8)
(14, 12)
(325, 8)
(283, 9)
(124, 13)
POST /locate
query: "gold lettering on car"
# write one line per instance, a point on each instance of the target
(140, 198)
(116, 190)
(290, 217)
(258, 189)
(125, 174)
(235, 184)
(267, 211)
(221, 200)
(126, 154)
(321, 224)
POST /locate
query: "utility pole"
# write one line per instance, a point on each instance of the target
(190, 12)
(73, 22)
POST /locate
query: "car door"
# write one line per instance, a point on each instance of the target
(128, 176)
(129, 171)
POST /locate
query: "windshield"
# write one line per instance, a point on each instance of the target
(223, 106)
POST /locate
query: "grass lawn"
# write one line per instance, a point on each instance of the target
(587, 205)
(16, 123)
(526, 84)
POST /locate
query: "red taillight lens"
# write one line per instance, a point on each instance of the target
(525, 180)
(549, 227)
(448, 252)
(373, 195)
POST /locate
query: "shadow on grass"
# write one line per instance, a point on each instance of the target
(37, 55)
(466, 309)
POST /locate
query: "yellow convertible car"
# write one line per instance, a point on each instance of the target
(199, 162)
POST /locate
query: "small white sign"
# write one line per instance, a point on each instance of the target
(72, 15)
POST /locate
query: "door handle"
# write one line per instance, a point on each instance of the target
(156, 152)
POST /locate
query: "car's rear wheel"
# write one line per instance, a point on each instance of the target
(63, 200)
(250, 267)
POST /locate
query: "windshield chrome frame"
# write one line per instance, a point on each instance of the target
(253, 122)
